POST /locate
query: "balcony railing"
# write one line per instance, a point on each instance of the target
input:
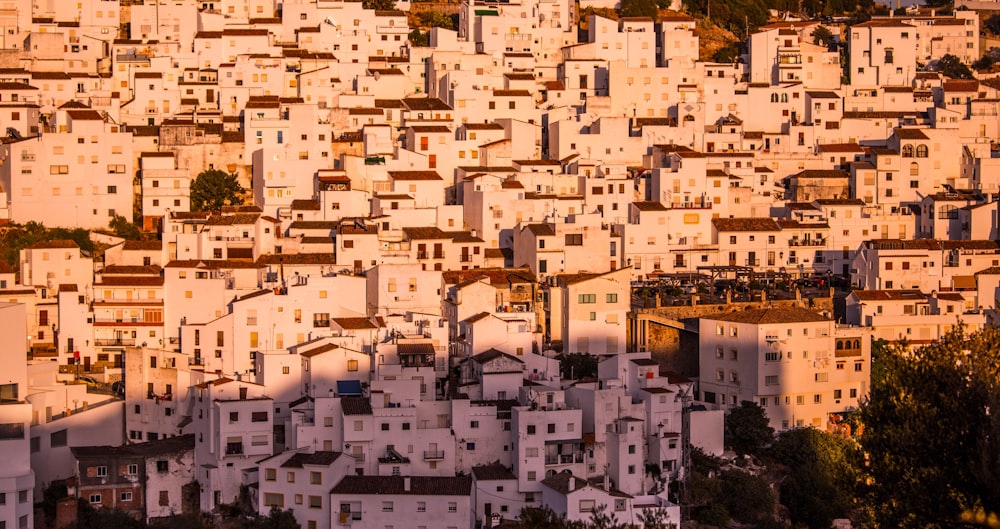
(563, 459)
(807, 242)
(433, 455)
(114, 341)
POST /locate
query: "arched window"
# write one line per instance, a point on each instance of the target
(907, 151)
(914, 169)
(774, 98)
(921, 151)
(857, 344)
(689, 117)
(840, 345)
(784, 98)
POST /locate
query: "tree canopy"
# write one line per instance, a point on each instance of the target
(16, 237)
(213, 189)
(953, 67)
(823, 473)
(125, 229)
(380, 5)
(640, 8)
(930, 432)
(748, 430)
(992, 24)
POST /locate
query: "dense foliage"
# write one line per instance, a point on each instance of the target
(748, 430)
(213, 189)
(125, 229)
(16, 237)
(381, 5)
(953, 67)
(823, 472)
(575, 366)
(992, 24)
(930, 432)
(600, 518)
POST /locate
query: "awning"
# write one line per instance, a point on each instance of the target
(963, 282)
(349, 388)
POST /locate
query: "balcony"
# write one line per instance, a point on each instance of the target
(233, 449)
(753, 262)
(120, 342)
(465, 258)
(422, 255)
(807, 242)
(433, 455)
(563, 459)
(438, 255)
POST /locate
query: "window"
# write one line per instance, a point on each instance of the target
(234, 416)
(574, 239)
(95, 498)
(133, 470)
(162, 466)
(612, 298)
(386, 506)
(452, 506)
(126, 496)
(315, 502)
(272, 499)
(15, 430)
(270, 474)
(531, 429)
(421, 506)
(587, 298)
(587, 505)
(258, 416)
(56, 439)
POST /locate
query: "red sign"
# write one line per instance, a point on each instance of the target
(76, 355)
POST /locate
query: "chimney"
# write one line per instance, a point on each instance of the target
(406, 484)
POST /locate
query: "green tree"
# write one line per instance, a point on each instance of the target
(992, 24)
(420, 39)
(953, 67)
(747, 498)
(822, 36)
(436, 19)
(89, 518)
(276, 519)
(989, 58)
(727, 54)
(747, 429)
(574, 366)
(822, 475)
(380, 5)
(213, 189)
(640, 8)
(16, 237)
(931, 432)
(546, 518)
(125, 229)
